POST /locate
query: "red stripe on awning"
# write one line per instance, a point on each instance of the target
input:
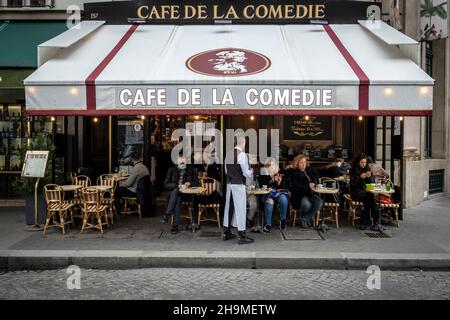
(364, 81)
(230, 112)
(91, 99)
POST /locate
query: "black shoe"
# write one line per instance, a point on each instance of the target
(267, 228)
(363, 227)
(174, 230)
(227, 235)
(304, 224)
(243, 239)
(283, 225)
(378, 228)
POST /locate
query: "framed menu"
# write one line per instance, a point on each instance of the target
(312, 128)
(35, 164)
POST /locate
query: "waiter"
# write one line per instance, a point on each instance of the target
(237, 170)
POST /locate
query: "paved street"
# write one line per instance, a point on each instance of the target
(171, 283)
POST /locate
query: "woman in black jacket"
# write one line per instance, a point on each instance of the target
(304, 178)
(360, 175)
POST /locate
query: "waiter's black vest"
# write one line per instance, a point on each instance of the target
(234, 171)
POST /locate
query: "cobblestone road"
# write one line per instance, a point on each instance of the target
(222, 284)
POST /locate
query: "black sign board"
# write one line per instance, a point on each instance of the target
(307, 128)
(228, 11)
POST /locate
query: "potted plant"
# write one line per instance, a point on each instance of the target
(41, 141)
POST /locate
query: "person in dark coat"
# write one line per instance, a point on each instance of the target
(177, 176)
(360, 175)
(304, 178)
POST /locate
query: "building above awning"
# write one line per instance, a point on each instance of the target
(20, 39)
(230, 69)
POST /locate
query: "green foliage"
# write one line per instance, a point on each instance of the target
(429, 10)
(43, 142)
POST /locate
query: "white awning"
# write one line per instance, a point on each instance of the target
(234, 69)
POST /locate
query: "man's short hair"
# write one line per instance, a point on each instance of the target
(136, 157)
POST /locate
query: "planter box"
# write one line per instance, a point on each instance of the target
(29, 208)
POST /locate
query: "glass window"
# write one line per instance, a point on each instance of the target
(130, 139)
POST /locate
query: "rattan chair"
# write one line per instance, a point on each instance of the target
(331, 205)
(93, 211)
(390, 212)
(57, 208)
(107, 197)
(210, 185)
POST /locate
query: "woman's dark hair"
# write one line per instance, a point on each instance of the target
(358, 160)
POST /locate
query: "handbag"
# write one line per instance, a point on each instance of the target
(384, 199)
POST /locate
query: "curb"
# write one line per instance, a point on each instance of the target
(11, 260)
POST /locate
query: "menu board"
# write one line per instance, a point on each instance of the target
(311, 128)
(35, 164)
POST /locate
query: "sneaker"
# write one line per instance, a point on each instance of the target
(378, 228)
(245, 240)
(267, 228)
(165, 218)
(304, 224)
(174, 230)
(283, 225)
(228, 235)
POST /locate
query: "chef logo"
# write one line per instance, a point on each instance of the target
(228, 62)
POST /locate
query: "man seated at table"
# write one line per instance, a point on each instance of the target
(338, 168)
(304, 179)
(128, 188)
(177, 176)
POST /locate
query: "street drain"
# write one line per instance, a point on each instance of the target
(377, 235)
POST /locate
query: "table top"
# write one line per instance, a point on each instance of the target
(382, 191)
(326, 190)
(193, 190)
(120, 177)
(102, 187)
(258, 192)
(342, 179)
(70, 187)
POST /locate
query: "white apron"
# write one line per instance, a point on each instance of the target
(240, 206)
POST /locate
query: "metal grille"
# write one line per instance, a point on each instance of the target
(436, 178)
(377, 235)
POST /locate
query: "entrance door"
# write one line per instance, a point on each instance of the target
(96, 145)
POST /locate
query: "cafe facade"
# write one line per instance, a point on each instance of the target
(331, 76)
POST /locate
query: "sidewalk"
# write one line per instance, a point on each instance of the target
(422, 242)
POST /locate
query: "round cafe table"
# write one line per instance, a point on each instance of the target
(70, 187)
(258, 192)
(322, 192)
(102, 188)
(119, 177)
(194, 191)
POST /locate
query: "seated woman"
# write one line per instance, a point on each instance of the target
(304, 179)
(271, 177)
(360, 175)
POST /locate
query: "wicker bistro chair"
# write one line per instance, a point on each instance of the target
(331, 203)
(390, 212)
(57, 208)
(353, 208)
(128, 203)
(297, 213)
(107, 197)
(83, 182)
(210, 185)
(93, 210)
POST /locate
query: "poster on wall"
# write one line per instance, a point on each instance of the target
(434, 15)
(307, 128)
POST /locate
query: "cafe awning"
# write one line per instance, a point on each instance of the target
(357, 69)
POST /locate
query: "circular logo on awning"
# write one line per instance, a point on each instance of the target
(228, 62)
